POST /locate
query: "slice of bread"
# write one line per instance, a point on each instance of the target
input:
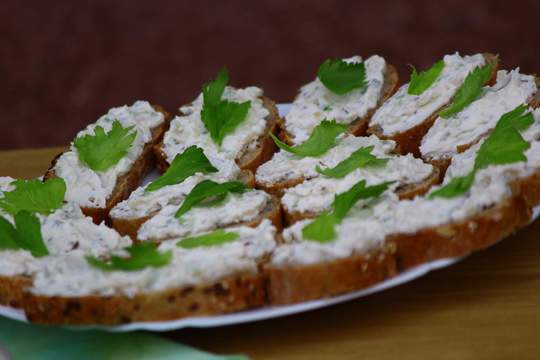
(446, 137)
(251, 154)
(129, 215)
(409, 137)
(198, 281)
(127, 181)
(12, 289)
(248, 209)
(358, 125)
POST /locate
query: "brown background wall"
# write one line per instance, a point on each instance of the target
(64, 63)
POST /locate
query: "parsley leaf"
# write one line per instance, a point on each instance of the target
(34, 196)
(358, 159)
(209, 193)
(103, 150)
(184, 165)
(468, 91)
(504, 145)
(421, 82)
(322, 228)
(322, 139)
(140, 256)
(214, 238)
(26, 234)
(341, 77)
(221, 117)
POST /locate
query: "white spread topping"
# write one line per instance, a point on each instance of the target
(403, 111)
(286, 166)
(89, 188)
(6, 184)
(315, 102)
(511, 90)
(189, 130)
(237, 208)
(73, 276)
(17, 262)
(316, 195)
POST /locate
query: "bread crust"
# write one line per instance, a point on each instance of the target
(12, 290)
(247, 160)
(293, 284)
(226, 296)
(128, 182)
(409, 140)
(463, 237)
(359, 126)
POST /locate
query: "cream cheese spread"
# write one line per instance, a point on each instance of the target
(237, 208)
(188, 129)
(316, 195)
(89, 188)
(403, 111)
(465, 127)
(315, 102)
(286, 166)
(71, 275)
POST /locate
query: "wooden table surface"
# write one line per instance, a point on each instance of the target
(485, 307)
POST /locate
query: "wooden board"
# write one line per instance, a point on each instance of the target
(486, 307)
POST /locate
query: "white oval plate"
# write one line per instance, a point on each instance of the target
(262, 313)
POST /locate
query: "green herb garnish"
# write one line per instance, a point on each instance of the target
(103, 150)
(423, 81)
(140, 256)
(468, 91)
(341, 77)
(322, 139)
(219, 116)
(184, 165)
(322, 229)
(504, 145)
(214, 238)
(209, 193)
(25, 235)
(358, 159)
(34, 196)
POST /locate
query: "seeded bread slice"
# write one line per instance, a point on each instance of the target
(130, 226)
(405, 191)
(272, 212)
(443, 163)
(248, 159)
(359, 126)
(293, 284)
(130, 180)
(463, 237)
(409, 141)
(229, 295)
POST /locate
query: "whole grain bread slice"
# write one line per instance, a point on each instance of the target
(463, 237)
(297, 283)
(131, 179)
(272, 212)
(228, 295)
(247, 159)
(409, 141)
(444, 163)
(405, 191)
(359, 126)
